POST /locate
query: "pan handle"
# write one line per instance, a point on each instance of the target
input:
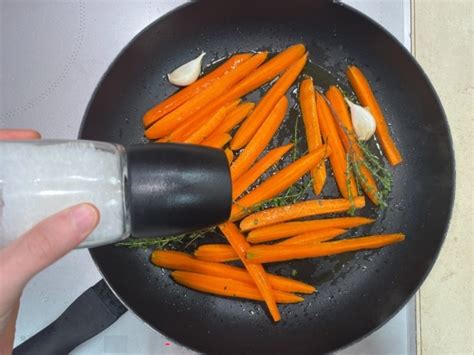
(92, 312)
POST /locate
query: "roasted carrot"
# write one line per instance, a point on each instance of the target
(309, 112)
(260, 141)
(289, 229)
(234, 117)
(227, 287)
(367, 98)
(218, 253)
(257, 272)
(250, 126)
(251, 175)
(348, 138)
(202, 132)
(278, 182)
(181, 96)
(229, 154)
(257, 78)
(272, 253)
(217, 140)
(339, 164)
(176, 260)
(319, 236)
(173, 119)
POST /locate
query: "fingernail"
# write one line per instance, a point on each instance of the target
(84, 217)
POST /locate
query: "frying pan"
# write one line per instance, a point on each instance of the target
(358, 292)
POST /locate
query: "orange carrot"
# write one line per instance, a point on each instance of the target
(181, 96)
(202, 132)
(257, 78)
(289, 229)
(272, 253)
(277, 183)
(367, 98)
(227, 287)
(338, 158)
(257, 272)
(348, 138)
(319, 236)
(250, 126)
(260, 141)
(249, 177)
(181, 261)
(229, 154)
(234, 117)
(313, 134)
(218, 253)
(173, 119)
(217, 140)
(299, 210)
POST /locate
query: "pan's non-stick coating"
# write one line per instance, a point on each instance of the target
(357, 292)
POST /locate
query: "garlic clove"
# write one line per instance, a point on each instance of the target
(187, 73)
(362, 120)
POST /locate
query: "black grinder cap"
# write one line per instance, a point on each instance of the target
(176, 188)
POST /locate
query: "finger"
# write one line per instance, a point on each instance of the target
(47, 242)
(18, 134)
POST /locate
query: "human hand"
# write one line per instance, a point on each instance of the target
(38, 248)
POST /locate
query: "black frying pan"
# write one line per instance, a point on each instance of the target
(358, 292)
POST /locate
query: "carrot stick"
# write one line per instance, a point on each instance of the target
(173, 119)
(338, 159)
(289, 229)
(234, 117)
(313, 237)
(257, 272)
(277, 183)
(217, 140)
(181, 261)
(227, 287)
(181, 96)
(202, 132)
(229, 154)
(260, 141)
(348, 138)
(272, 253)
(313, 134)
(251, 175)
(367, 98)
(218, 253)
(250, 126)
(299, 210)
(257, 78)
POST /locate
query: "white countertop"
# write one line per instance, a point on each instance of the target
(52, 56)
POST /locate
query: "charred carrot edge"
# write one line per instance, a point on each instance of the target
(202, 132)
(229, 154)
(348, 138)
(176, 260)
(257, 272)
(278, 182)
(274, 253)
(251, 175)
(319, 236)
(217, 140)
(259, 142)
(234, 117)
(307, 97)
(290, 229)
(250, 126)
(299, 210)
(177, 99)
(367, 98)
(218, 253)
(173, 119)
(338, 158)
(227, 287)
(257, 78)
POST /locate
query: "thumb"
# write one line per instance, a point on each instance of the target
(47, 242)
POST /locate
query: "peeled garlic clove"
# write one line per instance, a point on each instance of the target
(187, 73)
(362, 120)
